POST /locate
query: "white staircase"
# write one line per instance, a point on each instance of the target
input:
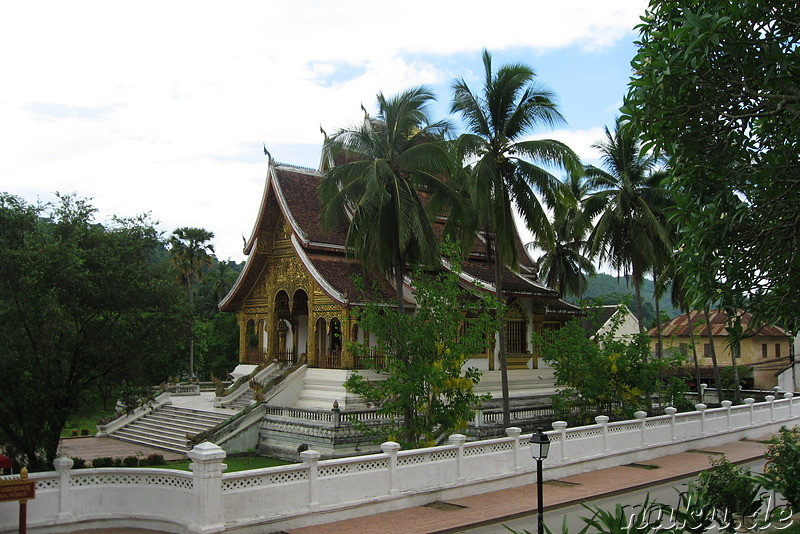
(321, 387)
(166, 427)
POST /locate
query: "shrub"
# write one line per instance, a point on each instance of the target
(117, 462)
(78, 463)
(130, 461)
(105, 461)
(152, 459)
(85, 432)
(782, 470)
(75, 433)
(728, 490)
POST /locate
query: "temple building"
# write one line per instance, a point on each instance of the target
(296, 295)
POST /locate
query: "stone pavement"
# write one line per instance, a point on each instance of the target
(91, 447)
(457, 515)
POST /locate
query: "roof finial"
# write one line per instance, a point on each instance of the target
(266, 153)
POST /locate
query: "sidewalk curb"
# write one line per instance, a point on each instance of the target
(518, 515)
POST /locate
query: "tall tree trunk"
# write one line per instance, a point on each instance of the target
(637, 297)
(735, 336)
(659, 338)
(501, 339)
(399, 274)
(191, 330)
(736, 349)
(713, 353)
(694, 355)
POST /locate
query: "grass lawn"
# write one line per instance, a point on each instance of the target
(234, 463)
(87, 420)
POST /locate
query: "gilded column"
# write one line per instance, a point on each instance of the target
(242, 321)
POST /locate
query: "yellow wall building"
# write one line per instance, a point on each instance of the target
(765, 348)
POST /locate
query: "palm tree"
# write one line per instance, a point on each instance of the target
(503, 177)
(221, 277)
(190, 251)
(630, 232)
(563, 265)
(387, 160)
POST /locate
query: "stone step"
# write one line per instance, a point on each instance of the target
(171, 419)
(175, 440)
(174, 428)
(187, 413)
(152, 443)
(167, 427)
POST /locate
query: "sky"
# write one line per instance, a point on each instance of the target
(164, 107)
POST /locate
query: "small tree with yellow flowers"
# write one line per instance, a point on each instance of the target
(428, 390)
(609, 375)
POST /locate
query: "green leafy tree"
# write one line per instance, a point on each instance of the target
(81, 303)
(191, 252)
(374, 171)
(630, 232)
(606, 375)
(429, 393)
(503, 177)
(715, 88)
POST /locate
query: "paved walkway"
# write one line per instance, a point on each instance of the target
(457, 515)
(92, 447)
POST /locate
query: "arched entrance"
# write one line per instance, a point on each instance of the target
(284, 350)
(300, 322)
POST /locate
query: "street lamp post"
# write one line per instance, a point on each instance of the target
(540, 446)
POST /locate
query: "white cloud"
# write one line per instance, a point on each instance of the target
(162, 106)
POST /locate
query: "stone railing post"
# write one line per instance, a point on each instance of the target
(561, 428)
(671, 411)
(390, 448)
(602, 420)
(702, 409)
(703, 388)
(64, 465)
(479, 418)
(642, 417)
(336, 414)
(311, 460)
(788, 396)
(749, 401)
(207, 468)
(727, 405)
(771, 400)
(514, 432)
(458, 440)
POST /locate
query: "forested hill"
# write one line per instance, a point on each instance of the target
(612, 289)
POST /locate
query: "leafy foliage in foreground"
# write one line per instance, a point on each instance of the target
(427, 391)
(715, 89)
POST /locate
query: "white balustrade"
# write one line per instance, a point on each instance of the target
(209, 500)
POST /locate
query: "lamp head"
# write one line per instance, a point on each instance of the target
(540, 444)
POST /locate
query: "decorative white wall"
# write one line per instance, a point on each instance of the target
(314, 491)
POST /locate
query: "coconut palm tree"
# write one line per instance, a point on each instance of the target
(562, 264)
(372, 175)
(629, 233)
(190, 251)
(502, 174)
